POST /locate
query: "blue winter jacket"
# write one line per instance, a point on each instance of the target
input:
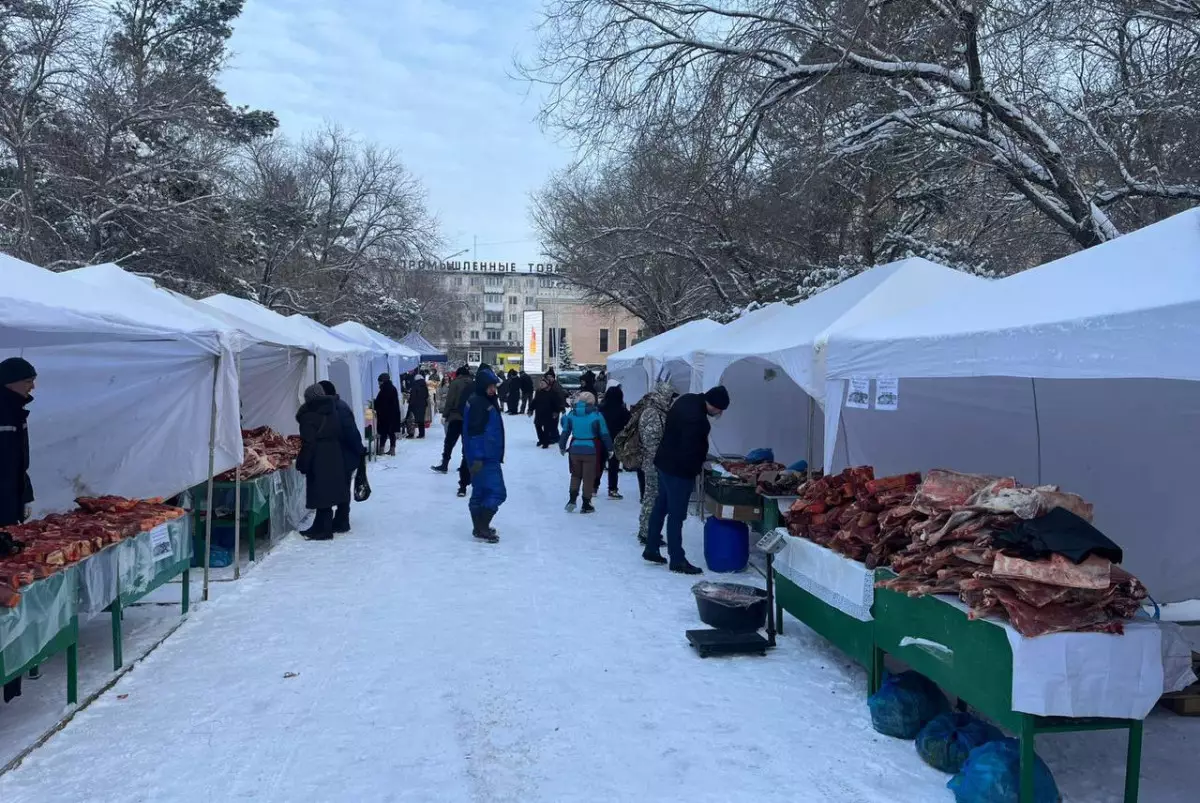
(582, 428)
(484, 436)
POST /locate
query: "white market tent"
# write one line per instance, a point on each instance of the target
(1081, 373)
(271, 376)
(400, 358)
(126, 397)
(427, 351)
(683, 359)
(785, 412)
(362, 359)
(336, 360)
(638, 366)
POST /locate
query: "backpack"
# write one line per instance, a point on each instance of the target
(628, 444)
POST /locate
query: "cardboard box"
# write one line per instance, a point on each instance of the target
(746, 513)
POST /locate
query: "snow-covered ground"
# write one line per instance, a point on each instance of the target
(407, 662)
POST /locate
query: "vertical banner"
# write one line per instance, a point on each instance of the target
(534, 340)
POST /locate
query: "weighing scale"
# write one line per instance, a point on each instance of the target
(711, 641)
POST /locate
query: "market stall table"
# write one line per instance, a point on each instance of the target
(43, 624)
(1100, 682)
(147, 562)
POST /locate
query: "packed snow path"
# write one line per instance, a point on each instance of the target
(550, 667)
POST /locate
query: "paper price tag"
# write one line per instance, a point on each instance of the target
(887, 394)
(160, 543)
(859, 396)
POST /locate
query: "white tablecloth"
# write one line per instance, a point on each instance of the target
(838, 581)
(1086, 674)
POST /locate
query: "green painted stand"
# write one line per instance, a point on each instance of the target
(855, 638)
(169, 571)
(979, 671)
(66, 640)
(256, 511)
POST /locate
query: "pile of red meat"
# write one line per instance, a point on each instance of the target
(265, 451)
(937, 535)
(60, 539)
(750, 472)
(855, 514)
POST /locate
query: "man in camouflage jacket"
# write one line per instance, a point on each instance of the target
(650, 430)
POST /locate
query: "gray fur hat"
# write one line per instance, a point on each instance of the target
(313, 392)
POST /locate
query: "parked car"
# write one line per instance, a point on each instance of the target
(570, 380)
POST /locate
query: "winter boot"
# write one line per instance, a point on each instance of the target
(683, 567)
(615, 495)
(587, 507)
(322, 526)
(444, 468)
(488, 515)
(341, 520)
(570, 508)
(653, 556)
(462, 492)
(483, 532)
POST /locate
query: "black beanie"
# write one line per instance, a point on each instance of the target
(330, 390)
(15, 369)
(718, 397)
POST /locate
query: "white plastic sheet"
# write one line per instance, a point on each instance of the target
(46, 607)
(844, 584)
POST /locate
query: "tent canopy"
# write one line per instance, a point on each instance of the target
(683, 359)
(1080, 373)
(794, 338)
(429, 352)
(638, 366)
(402, 358)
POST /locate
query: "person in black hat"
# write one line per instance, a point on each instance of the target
(387, 414)
(17, 380)
(453, 406)
(353, 451)
(679, 460)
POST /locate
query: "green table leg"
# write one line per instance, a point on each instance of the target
(187, 589)
(875, 671)
(115, 610)
(1028, 760)
(779, 618)
(251, 537)
(1133, 762)
(73, 667)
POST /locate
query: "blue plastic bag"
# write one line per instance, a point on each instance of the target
(761, 456)
(799, 465)
(949, 738)
(219, 558)
(992, 774)
(904, 704)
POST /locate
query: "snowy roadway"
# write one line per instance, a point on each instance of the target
(407, 662)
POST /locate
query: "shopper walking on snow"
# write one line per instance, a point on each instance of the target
(387, 414)
(321, 461)
(526, 391)
(547, 405)
(453, 404)
(584, 436)
(418, 403)
(353, 452)
(484, 452)
(679, 460)
(616, 417)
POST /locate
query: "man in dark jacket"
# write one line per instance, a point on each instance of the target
(17, 380)
(322, 461)
(510, 392)
(484, 452)
(587, 382)
(679, 460)
(454, 402)
(352, 452)
(547, 405)
(616, 417)
(526, 391)
(418, 404)
(387, 414)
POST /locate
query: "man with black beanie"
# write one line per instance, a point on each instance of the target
(17, 379)
(679, 460)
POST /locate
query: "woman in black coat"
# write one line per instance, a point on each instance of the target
(387, 413)
(320, 460)
(418, 403)
(512, 392)
(616, 418)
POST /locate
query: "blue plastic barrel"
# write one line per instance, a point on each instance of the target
(726, 545)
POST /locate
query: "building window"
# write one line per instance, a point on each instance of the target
(493, 335)
(474, 334)
(530, 301)
(494, 317)
(512, 337)
(530, 284)
(493, 298)
(512, 318)
(603, 341)
(513, 300)
(474, 317)
(458, 334)
(622, 339)
(477, 281)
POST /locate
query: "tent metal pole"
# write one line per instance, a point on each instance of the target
(237, 488)
(212, 452)
(1037, 421)
(810, 438)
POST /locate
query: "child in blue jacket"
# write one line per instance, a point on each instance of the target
(583, 432)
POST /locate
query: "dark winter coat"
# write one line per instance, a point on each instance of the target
(512, 389)
(526, 385)
(349, 436)
(587, 383)
(684, 445)
(484, 436)
(616, 414)
(418, 398)
(321, 459)
(387, 409)
(16, 491)
(549, 401)
(406, 381)
(456, 398)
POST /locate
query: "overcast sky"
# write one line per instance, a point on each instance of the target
(428, 77)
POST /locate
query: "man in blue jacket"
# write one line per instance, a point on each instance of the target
(352, 453)
(584, 429)
(483, 448)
